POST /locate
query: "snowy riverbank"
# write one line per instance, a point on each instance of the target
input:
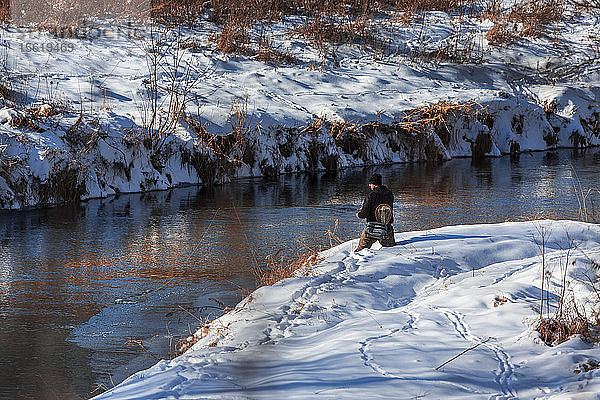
(74, 112)
(376, 324)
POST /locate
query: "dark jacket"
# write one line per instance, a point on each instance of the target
(379, 195)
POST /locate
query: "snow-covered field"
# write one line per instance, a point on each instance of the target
(377, 324)
(76, 128)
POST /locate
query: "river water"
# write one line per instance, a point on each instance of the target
(90, 294)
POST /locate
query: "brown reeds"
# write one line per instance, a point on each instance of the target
(434, 118)
(69, 13)
(534, 15)
(277, 267)
(527, 18)
(324, 29)
(500, 34)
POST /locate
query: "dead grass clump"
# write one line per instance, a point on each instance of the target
(4, 11)
(279, 267)
(534, 15)
(184, 345)
(269, 54)
(63, 186)
(460, 52)
(43, 111)
(351, 137)
(500, 34)
(233, 38)
(5, 93)
(324, 29)
(25, 123)
(432, 5)
(527, 18)
(178, 11)
(493, 10)
(569, 317)
(6, 161)
(207, 324)
(561, 327)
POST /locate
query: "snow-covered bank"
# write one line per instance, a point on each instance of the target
(74, 128)
(376, 324)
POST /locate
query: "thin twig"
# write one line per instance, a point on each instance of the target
(198, 319)
(463, 352)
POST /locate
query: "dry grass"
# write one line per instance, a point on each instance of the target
(322, 23)
(323, 30)
(277, 267)
(423, 118)
(234, 37)
(500, 34)
(561, 327)
(534, 15)
(4, 11)
(69, 13)
(269, 54)
(570, 317)
(527, 18)
(434, 118)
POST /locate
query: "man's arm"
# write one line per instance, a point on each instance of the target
(364, 210)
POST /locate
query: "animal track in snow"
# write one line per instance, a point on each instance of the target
(505, 366)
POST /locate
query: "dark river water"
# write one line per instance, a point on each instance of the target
(90, 294)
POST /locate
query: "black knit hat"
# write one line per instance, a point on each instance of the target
(375, 179)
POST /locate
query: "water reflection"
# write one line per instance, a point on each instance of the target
(77, 282)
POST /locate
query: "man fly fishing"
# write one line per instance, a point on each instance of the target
(378, 211)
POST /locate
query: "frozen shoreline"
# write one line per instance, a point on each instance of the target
(377, 323)
(80, 134)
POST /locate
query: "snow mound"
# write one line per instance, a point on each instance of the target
(376, 324)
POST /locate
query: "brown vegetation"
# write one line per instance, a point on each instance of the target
(527, 18)
(70, 13)
(500, 34)
(278, 267)
(434, 117)
(569, 317)
(562, 327)
(322, 23)
(4, 11)
(534, 15)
